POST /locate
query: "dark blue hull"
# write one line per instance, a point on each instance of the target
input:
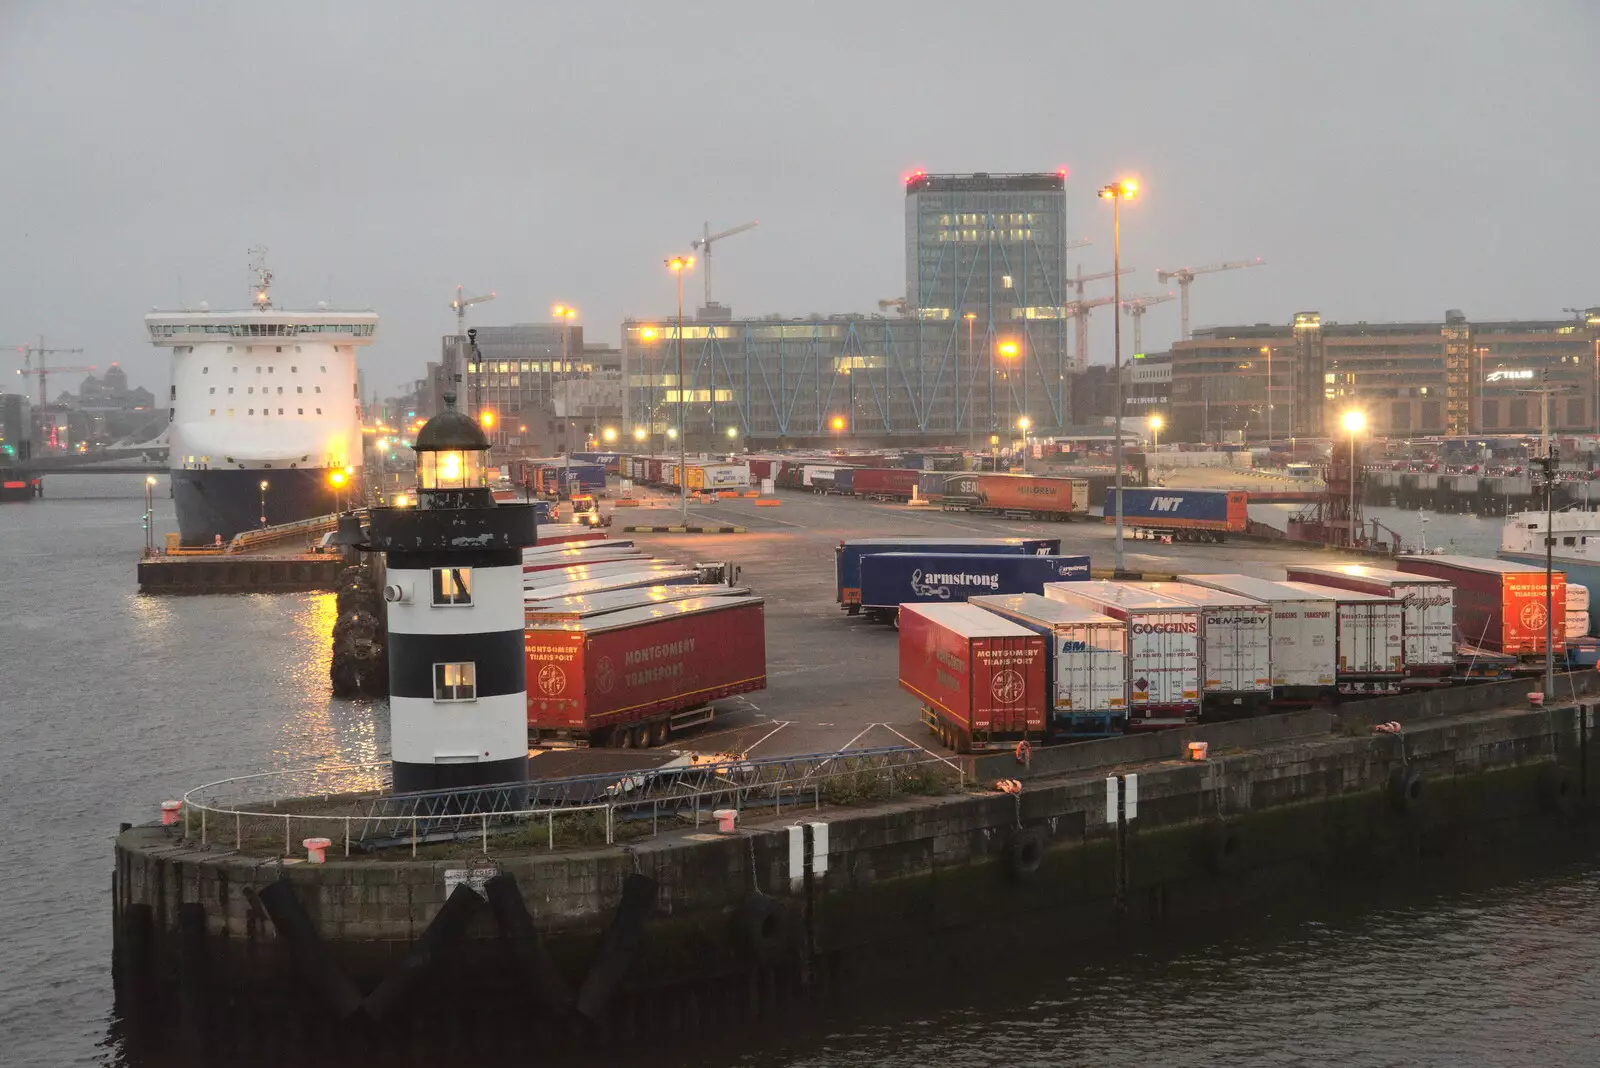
(223, 503)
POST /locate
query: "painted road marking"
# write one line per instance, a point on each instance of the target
(925, 749)
(752, 746)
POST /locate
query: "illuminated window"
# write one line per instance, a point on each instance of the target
(452, 585)
(1005, 281)
(455, 682)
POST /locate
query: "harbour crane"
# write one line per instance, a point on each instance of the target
(1078, 310)
(1135, 307)
(42, 370)
(704, 243)
(1076, 282)
(1185, 275)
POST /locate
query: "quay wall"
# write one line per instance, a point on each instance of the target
(677, 934)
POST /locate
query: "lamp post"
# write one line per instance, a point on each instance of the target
(733, 438)
(564, 315)
(677, 265)
(994, 452)
(972, 424)
(1156, 424)
(1117, 192)
(1023, 423)
(263, 504)
(1354, 421)
(1008, 349)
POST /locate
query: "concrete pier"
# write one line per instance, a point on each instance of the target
(691, 930)
(224, 573)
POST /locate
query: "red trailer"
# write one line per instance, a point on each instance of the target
(981, 678)
(629, 678)
(884, 483)
(1499, 604)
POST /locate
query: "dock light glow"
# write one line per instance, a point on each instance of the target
(1354, 421)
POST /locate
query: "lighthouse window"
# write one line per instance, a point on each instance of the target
(455, 682)
(452, 585)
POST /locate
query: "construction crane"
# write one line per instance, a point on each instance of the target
(452, 373)
(704, 243)
(1185, 275)
(1079, 310)
(1135, 307)
(42, 370)
(1076, 282)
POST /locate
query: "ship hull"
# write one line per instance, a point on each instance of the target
(221, 503)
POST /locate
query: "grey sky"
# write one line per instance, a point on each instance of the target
(1389, 159)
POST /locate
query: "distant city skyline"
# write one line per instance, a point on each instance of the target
(1360, 151)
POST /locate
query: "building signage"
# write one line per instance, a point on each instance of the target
(1508, 376)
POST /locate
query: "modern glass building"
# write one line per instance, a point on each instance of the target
(980, 342)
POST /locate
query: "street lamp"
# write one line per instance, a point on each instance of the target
(1117, 192)
(972, 424)
(994, 452)
(1354, 421)
(677, 265)
(1008, 349)
(263, 503)
(337, 479)
(564, 315)
(1156, 423)
(640, 433)
(609, 434)
(1024, 423)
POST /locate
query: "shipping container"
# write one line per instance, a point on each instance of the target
(892, 579)
(1213, 514)
(981, 678)
(1370, 631)
(1033, 495)
(1163, 647)
(718, 476)
(582, 606)
(1235, 648)
(558, 576)
(570, 556)
(1086, 663)
(623, 581)
(1305, 640)
(532, 553)
(1428, 604)
(630, 677)
(885, 483)
(1500, 605)
(762, 466)
(847, 556)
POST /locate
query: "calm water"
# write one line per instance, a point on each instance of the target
(113, 702)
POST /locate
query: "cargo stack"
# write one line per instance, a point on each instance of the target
(1086, 663)
(1428, 607)
(1235, 648)
(1304, 634)
(1500, 605)
(1163, 642)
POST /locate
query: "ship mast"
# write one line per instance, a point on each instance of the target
(260, 279)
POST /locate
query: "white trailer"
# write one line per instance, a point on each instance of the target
(1428, 605)
(1163, 647)
(1235, 647)
(1371, 638)
(1305, 640)
(1088, 661)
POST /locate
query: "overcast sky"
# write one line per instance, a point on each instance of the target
(1389, 159)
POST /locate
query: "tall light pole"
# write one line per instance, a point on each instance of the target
(149, 512)
(972, 423)
(1008, 349)
(677, 265)
(1024, 423)
(1267, 351)
(1354, 421)
(1117, 192)
(263, 504)
(564, 316)
(1155, 433)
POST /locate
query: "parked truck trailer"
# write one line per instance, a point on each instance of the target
(1235, 649)
(1304, 634)
(889, 580)
(980, 678)
(1086, 663)
(1428, 607)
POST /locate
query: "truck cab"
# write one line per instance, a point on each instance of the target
(586, 510)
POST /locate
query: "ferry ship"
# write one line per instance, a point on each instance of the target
(264, 407)
(1576, 552)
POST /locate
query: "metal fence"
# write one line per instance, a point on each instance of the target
(353, 807)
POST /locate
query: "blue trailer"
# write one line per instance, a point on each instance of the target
(844, 480)
(1181, 515)
(889, 580)
(847, 557)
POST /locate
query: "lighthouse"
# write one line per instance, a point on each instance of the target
(457, 670)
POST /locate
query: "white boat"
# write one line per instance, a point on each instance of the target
(264, 407)
(1576, 552)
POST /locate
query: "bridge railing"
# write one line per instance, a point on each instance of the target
(253, 539)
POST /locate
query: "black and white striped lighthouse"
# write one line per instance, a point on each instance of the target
(457, 670)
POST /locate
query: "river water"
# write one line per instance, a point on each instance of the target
(113, 701)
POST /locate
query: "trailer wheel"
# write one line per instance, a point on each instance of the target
(660, 731)
(853, 610)
(1024, 852)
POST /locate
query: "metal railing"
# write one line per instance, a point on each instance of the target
(249, 539)
(375, 818)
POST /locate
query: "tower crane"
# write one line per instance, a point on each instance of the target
(1185, 275)
(1135, 307)
(452, 373)
(1076, 282)
(42, 370)
(704, 243)
(1078, 310)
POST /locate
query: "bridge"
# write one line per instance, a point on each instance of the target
(99, 462)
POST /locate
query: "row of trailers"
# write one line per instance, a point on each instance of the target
(1091, 659)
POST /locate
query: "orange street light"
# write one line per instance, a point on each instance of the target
(561, 311)
(838, 422)
(647, 333)
(1008, 349)
(487, 419)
